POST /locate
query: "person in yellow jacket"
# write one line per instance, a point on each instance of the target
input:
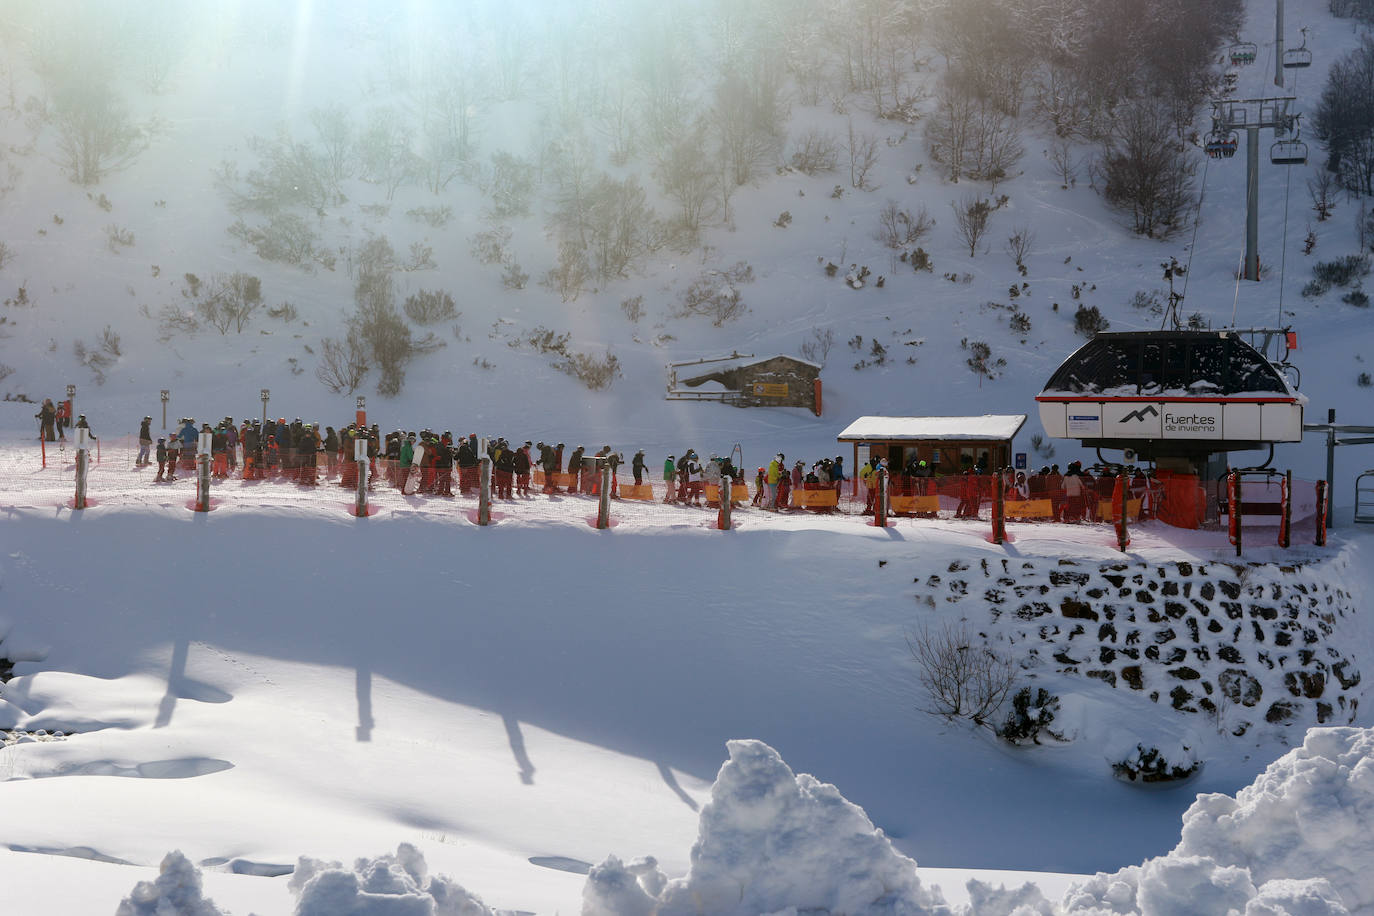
(776, 468)
(868, 475)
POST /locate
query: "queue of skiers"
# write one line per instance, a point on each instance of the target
(425, 461)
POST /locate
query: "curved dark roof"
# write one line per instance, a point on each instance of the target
(1167, 363)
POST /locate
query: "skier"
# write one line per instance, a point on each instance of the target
(47, 420)
(637, 467)
(145, 442)
(162, 462)
(669, 470)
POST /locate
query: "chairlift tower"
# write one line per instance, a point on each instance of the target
(1252, 116)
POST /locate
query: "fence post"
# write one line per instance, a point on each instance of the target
(1120, 503)
(203, 482)
(1234, 508)
(999, 510)
(1286, 508)
(603, 500)
(43, 447)
(880, 504)
(83, 461)
(360, 456)
(484, 492)
(1321, 514)
(723, 518)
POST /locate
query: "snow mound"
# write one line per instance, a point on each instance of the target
(1295, 841)
(770, 841)
(397, 885)
(175, 892)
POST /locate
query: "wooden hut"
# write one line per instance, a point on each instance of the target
(949, 444)
(749, 381)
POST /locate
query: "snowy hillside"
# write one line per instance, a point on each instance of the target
(523, 189)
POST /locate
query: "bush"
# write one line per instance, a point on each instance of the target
(285, 237)
(981, 361)
(1356, 297)
(1363, 381)
(596, 372)
(430, 307)
(1032, 714)
(382, 331)
(715, 294)
(436, 217)
(633, 308)
(1150, 766)
(1088, 321)
(817, 151)
(514, 277)
(1340, 272)
(962, 678)
(343, 365)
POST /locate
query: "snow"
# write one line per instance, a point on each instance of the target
(221, 707)
(877, 429)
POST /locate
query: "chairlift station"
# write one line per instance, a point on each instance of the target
(1173, 397)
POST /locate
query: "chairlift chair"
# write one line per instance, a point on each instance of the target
(1299, 57)
(1288, 152)
(1243, 53)
(1221, 145)
(1364, 498)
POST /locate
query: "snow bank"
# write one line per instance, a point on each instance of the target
(175, 892)
(1295, 841)
(397, 885)
(771, 841)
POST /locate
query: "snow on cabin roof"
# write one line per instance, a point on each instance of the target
(884, 429)
(711, 367)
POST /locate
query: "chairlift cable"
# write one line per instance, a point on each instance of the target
(1197, 221)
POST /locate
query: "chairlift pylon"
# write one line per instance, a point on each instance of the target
(1299, 57)
(1221, 144)
(1288, 152)
(1243, 53)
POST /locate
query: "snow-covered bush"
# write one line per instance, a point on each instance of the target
(1032, 714)
(430, 306)
(1150, 765)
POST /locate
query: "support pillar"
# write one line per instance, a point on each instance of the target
(83, 462)
(880, 506)
(360, 456)
(723, 517)
(1252, 203)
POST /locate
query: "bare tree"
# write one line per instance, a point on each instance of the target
(334, 130)
(343, 365)
(749, 119)
(227, 300)
(570, 274)
(898, 228)
(950, 129)
(615, 120)
(962, 677)
(385, 151)
(621, 228)
(688, 177)
(863, 155)
(1019, 245)
(95, 133)
(971, 214)
(1321, 187)
(1145, 171)
(817, 347)
(1065, 165)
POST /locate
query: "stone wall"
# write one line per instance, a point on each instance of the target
(1247, 644)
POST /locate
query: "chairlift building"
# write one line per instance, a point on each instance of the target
(1173, 397)
(948, 444)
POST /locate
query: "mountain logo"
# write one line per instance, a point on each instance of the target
(1140, 414)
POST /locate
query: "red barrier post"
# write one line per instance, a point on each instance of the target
(1119, 506)
(999, 509)
(1321, 514)
(1233, 502)
(1285, 508)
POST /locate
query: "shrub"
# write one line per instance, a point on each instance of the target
(1032, 714)
(110, 343)
(285, 237)
(489, 246)
(1020, 322)
(1149, 765)
(962, 678)
(980, 360)
(817, 151)
(117, 238)
(1147, 299)
(784, 219)
(1356, 297)
(436, 217)
(1340, 272)
(226, 300)
(343, 365)
(921, 261)
(715, 294)
(596, 372)
(382, 331)
(633, 308)
(430, 307)
(817, 348)
(285, 312)
(514, 277)
(1363, 381)
(1088, 320)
